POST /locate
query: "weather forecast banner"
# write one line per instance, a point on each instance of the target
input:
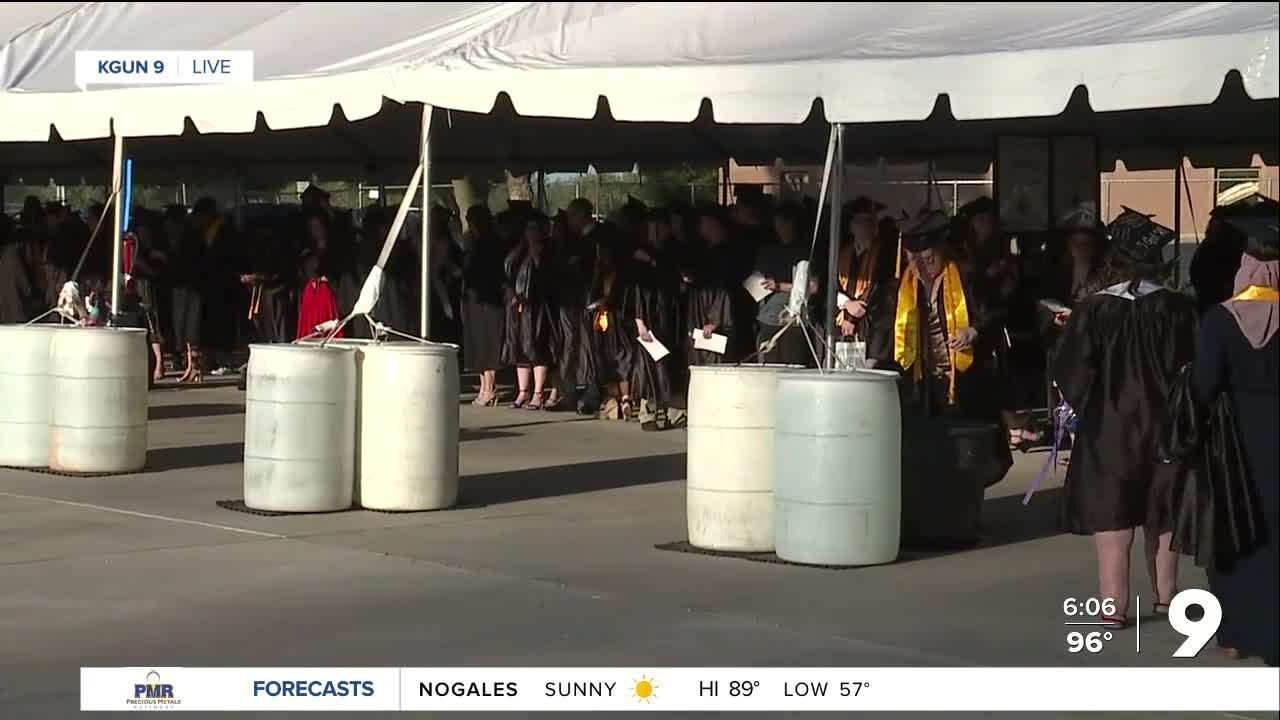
(684, 689)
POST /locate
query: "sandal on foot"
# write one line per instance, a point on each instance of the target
(1114, 622)
(522, 399)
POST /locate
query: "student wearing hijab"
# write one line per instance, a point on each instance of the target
(1116, 363)
(1238, 353)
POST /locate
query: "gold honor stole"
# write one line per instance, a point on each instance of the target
(602, 314)
(1257, 292)
(906, 324)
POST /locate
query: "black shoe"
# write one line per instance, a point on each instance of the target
(649, 426)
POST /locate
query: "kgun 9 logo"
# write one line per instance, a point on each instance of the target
(1197, 632)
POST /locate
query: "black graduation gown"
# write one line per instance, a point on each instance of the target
(532, 318)
(483, 309)
(609, 355)
(187, 288)
(15, 284)
(653, 297)
(1250, 591)
(711, 300)
(276, 313)
(876, 327)
(574, 262)
(1115, 364)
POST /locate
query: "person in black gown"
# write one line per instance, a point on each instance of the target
(713, 282)
(483, 315)
(775, 262)
(185, 271)
(943, 329)
(1116, 363)
(531, 314)
(1239, 353)
(653, 303)
(270, 280)
(867, 266)
(1214, 264)
(16, 289)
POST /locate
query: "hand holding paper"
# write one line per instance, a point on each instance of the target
(717, 343)
(654, 347)
(755, 285)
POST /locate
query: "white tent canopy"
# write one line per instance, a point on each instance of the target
(754, 62)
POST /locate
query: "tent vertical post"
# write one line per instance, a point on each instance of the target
(117, 167)
(833, 249)
(424, 161)
(1177, 221)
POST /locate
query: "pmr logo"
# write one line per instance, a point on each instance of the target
(153, 693)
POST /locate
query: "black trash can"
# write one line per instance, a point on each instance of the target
(947, 464)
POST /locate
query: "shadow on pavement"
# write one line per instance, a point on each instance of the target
(195, 456)
(470, 434)
(496, 488)
(194, 410)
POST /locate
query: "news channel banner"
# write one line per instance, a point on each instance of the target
(1101, 688)
(162, 67)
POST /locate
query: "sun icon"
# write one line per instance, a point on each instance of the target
(643, 689)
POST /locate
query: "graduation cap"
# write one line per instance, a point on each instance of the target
(863, 204)
(1254, 203)
(1136, 236)
(977, 207)
(315, 192)
(1082, 217)
(1263, 233)
(927, 230)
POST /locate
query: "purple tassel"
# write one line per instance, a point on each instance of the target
(1064, 420)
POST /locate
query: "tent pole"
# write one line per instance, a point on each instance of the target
(1177, 222)
(117, 165)
(833, 251)
(424, 161)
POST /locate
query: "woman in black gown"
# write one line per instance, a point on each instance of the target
(185, 272)
(531, 314)
(653, 302)
(483, 316)
(712, 289)
(1239, 353)
(1116, 363)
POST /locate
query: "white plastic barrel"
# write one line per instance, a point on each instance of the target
(358, 345)
(838, 459)
(729, 494)
(24, 394)
(299, 428)
(98, 407)
(409, 427)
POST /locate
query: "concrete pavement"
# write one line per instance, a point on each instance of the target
(551, 561)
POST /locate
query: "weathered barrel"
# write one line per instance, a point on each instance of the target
(837, 448)
(730, 476)
(98, 406)
(299, 428)
(409, 426)
(25, 392)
